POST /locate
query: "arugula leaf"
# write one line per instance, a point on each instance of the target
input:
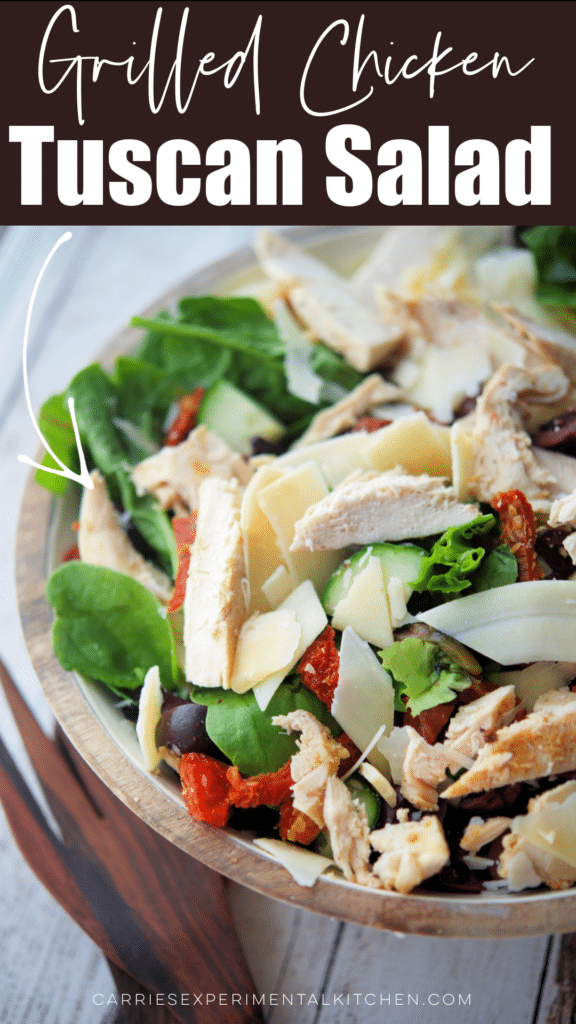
(246, 735)
(56, 426)
(453, 558)
(554, 249)
(422, 672)
(110, 628)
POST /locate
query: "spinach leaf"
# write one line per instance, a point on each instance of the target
(554, 249)
(422, 672)
(330, 366)
(453, 558)
(56, 426)
(497, 569)
(110, 628)
(246, 735)
(144, 395)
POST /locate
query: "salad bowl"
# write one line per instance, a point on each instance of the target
(107, 740)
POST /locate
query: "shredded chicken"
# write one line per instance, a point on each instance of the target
(349, 832)
(410, 853)
(315, 763)
(479, 833)
(102, 541)
(423, 769)
(526, 865)
(376, 506)
(542, 744)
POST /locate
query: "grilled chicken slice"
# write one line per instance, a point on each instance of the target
(344, 414)
(380, 507)
(215, 602)
(542, 744)
(175, 472)
(502, 457)
(326, 304)
(102, 541)
(476, 722)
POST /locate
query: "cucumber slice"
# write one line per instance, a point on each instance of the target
(366, 795)
(236, 418)
(402, 560)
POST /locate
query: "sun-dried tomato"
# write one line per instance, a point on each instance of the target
(519, 532)
(353, 753)
(205, 788)
(369, 424)
(269, 788)
(429, 723)
(71, 554)
(319, 666)
(295, 826)
(184, 533)
(186, 419)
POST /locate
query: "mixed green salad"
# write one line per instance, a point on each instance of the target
(327, 563)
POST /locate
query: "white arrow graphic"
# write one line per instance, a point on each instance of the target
(84, 476)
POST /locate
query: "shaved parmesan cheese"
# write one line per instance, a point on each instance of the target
(445, 377)
(552, 827)
(412, 442)
(396, 590)
(515, 624)
(394, 748)
(312, 618)
(266, 644)
(336, 457)
(284, 502)
(277, 586)
(261, 550)
(364, 697)
(379, 782)
(304, 865)
(365, 607)
(477, 863)
(462, 454)
(149, 711)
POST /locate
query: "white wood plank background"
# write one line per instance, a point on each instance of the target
(50, 971)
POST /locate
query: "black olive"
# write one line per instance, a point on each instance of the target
(182, 728)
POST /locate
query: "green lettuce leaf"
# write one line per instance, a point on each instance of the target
(246, 735)
(110, 628)
(454, 557)
(423, 673)
(554, 250)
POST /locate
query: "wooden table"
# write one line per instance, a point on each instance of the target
(307, 968)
